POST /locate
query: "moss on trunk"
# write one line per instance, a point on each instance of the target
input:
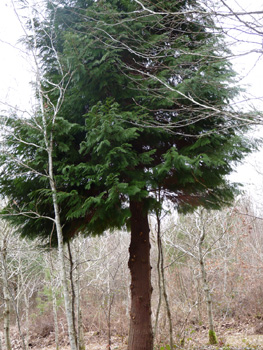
(212, 337)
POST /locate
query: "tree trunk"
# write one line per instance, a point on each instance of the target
(70, 322)
(80, 332)
(140, 333)
(212, 335)
(68, 309)
(27, 318)
(108, 304)
(159, 291)
(55, 314)
(48, 136)
(1, 341)
(168, 310)
(81, 342)
(6, 296)
(73, 294)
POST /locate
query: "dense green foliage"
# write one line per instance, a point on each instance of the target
(146, 111)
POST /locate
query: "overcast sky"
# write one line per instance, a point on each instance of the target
(15, 71)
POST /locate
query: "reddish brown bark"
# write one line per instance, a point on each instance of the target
(140, 333)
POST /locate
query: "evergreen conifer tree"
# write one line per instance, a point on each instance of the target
(147, 111)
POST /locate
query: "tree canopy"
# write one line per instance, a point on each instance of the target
(147, 109)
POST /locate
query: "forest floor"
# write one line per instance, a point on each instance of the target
(231, 335)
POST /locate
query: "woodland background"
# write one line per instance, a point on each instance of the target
(98, 273)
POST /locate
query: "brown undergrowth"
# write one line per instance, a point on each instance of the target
(232, 335)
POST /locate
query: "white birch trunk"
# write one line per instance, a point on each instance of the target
(81, 343)
(55, 315)
(207, 295)
(48, 138)
(6, 296)
(54, 299)
(212, 336)
(27, 319)
(48, 116)
(68, 308)
(168, 310)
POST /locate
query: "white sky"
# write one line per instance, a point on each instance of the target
(250, 68)
(15, 76)
(14, 66)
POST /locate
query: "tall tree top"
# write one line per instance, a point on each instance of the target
(147, 110)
